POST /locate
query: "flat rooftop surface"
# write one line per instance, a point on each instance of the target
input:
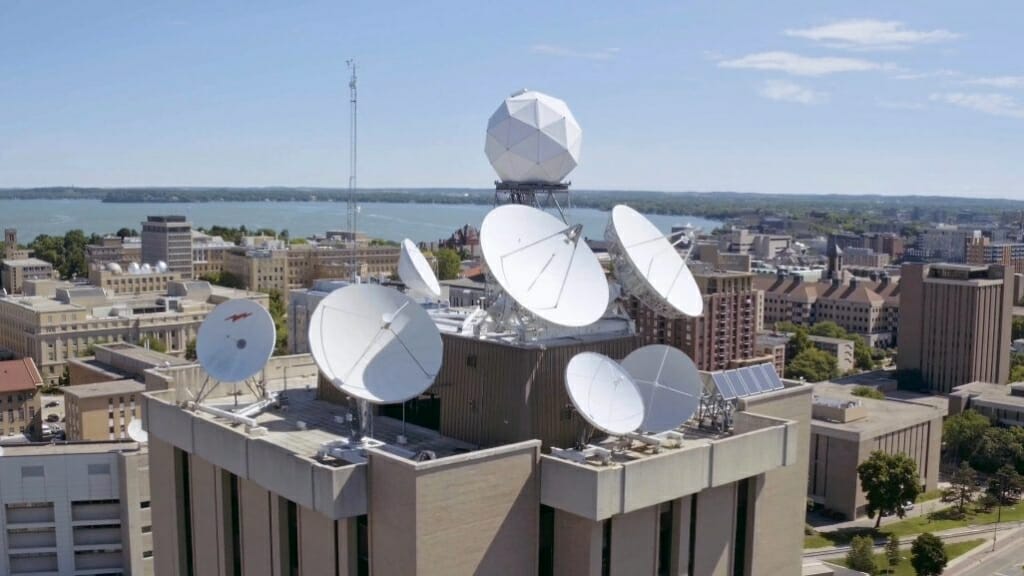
(326, 422)
(101, 389)
(143, 354)
(991, 393)
(883, 415)
(66, 448)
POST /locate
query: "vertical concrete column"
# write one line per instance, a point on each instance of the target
(206, 543)
(681, 511)
(348, 550)
(256, 538)
(577, 545)
(168, 553)
(635, 542)
(316, 545)
(716, 517)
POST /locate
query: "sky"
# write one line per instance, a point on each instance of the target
(866, 97)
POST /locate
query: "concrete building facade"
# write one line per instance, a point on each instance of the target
(102, 411)
(75, 509)
(16, 272)
(846, 429)
(20, 410)
(955, 323)
(168, 239)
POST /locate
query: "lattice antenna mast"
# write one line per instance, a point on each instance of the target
(353, 207)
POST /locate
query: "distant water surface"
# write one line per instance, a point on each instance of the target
(421, 222)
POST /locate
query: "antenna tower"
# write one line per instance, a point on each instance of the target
(353, 207)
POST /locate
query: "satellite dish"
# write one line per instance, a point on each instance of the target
(603, 393)
(544, 264)
(649, 267)
(135, 431)
(133, 268)
(236, 340)
(415, 271)
(375, 343)
(669, 384)
(114, 267)
(161, 266)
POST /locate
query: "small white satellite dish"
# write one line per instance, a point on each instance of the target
(236, 340)
(603, 393)
(649, 267)
(669, 383)
(415, 271)
(544, 264)
(114, 267)
(135, 431)
(133, 268)
(375, 343)
(161, 266)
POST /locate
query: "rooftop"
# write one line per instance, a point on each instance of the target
(103, 389)
(18, 375)
(883, 416)
(68, 448)
(991, 394)
(24, 262)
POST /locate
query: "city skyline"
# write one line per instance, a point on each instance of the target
(864, 99)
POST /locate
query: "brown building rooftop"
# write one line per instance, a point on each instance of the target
(18, 375)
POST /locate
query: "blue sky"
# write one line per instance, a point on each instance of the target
(907, 97)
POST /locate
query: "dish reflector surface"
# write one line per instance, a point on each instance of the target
(375, 343)
(544, 264)
(236, 340)
(669, 384)
(135, 431)
(415, 271)
(649, 267)
(603, 393)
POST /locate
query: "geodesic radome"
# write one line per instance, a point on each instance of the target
(533, 137)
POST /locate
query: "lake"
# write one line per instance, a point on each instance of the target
(420, 222)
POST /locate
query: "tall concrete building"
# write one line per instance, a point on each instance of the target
(955, 324)
(76, 508)
(725, 332)
(981, 251)
(16, 272)
(168, 239)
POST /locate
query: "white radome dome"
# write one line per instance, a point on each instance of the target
(533, 137)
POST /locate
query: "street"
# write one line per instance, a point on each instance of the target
(1005, 561)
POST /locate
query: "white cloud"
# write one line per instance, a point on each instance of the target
(801, 65)
(553, 50)
(900, 105)
(999, 81)
(912, 75)
(989, 103)
(785, 91)
(868, 34)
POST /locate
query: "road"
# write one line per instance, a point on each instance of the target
(1005, 561)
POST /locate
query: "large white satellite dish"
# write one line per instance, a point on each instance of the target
(236, 340)
(544, 264)
(649, 267)
(375, 343)
(603, 393)
(415, 271)
(135, 431)
(669, 384)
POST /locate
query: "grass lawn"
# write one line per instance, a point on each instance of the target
(905, 569)
(929, 495)
(934, 522)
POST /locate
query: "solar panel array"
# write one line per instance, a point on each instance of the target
(746, 381)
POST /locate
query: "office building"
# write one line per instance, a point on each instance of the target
(276, 267)
(168, 239)
(998, 402)
(301, 304)
(725, 332)
(839, 348)
(869, 308)
(208, 254)
(115, 280)
(490, 501)
(53, 330)
(887, 243)
(118, 361)
(102, 411)
(81, 508)
(16, 272)
(954, 325)
(20, 412)
(846, 429)
(982, 251)
(115, 250)
(945, 243)
(864, 258)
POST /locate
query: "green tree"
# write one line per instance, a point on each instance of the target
(812, 365)
(448, 264)
(1005, 485)
(153, 343)
(962, 487)
(888, 481)
(65, 377)
(963, 433)
(190, 350)
(1017, 373)
(278, 311)
(126, 233)
(999, 446)
(798, 343)
(226, 279)
(861, 556)
(868, 392)
(928, 555)
(892, 552)
(862, 356)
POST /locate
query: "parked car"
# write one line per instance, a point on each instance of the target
(52, 404)
(53, 417)
(908, 506)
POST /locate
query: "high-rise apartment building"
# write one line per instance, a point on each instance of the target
(168, 239)
(955, 324)
(982, 251)
(725, 332)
